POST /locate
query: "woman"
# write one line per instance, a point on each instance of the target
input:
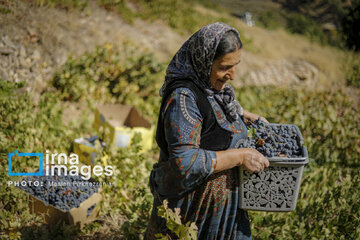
(200, 126)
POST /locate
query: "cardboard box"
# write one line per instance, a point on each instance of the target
(85, 150)
(75, 216)
(118, 123)
(87, 211)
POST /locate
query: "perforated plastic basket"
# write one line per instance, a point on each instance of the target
(276, 188)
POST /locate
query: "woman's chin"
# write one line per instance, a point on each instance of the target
(220, 86)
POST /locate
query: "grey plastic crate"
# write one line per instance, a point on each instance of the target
(276, 188)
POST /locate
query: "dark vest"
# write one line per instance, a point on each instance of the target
(213, 136)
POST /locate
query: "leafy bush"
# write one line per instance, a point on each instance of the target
(351, 28)
(327, 208)
(174, 223)
(320, 115)
(129, 191)
(28, 127)
(112, 75)
(353, 71)
(269, 20)
(298, 23)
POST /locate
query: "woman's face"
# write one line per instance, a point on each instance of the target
(223, 69)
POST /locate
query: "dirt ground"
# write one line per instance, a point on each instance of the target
(35, 41)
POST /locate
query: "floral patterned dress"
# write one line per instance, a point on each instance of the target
(213, 205)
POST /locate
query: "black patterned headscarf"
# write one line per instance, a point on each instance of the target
(194, 61)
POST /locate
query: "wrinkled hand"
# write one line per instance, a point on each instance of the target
(253, 161)
(252, 117)
(264, 119)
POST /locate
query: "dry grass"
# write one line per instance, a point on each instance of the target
(280, 44)
(267, 45)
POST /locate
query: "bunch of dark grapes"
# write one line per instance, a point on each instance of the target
(64, 197)
(273, 140)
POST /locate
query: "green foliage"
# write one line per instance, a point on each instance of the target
(353, 71)
(13, 204)
(351, 28)
(325, 118)
(269, 20)
(113, 75)
(298, 23)
(4, 10)
(214, 5)
(65, 4)
(327, 208)
(30, 126)
(173, 222)
(119, 6)
(251, 132)
(179, 15)
(129, 189)
(27, 126)
(43, 232)
(315, 16)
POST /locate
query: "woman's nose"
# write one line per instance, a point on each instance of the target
(231, 73)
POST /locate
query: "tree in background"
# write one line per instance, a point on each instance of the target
(351, 27)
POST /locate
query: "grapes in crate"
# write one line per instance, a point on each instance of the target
(68, 191)
(273, 140)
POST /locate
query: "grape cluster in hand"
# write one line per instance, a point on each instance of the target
(273, 140)
(62, 197)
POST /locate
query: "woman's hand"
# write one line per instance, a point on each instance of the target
(252, 160)
(264, 119)
(249, 158)
(251, 117)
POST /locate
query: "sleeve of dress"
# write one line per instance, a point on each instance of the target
(183, 123)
